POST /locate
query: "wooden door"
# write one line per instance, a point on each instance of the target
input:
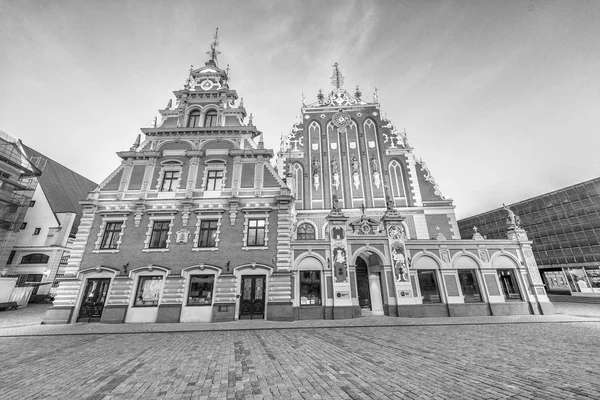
(252, 302)
(93, 300)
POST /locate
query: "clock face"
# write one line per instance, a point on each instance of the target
(341, 119)
(206, 85)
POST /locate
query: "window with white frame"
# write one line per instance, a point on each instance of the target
(110, 235)
(169, 177)
(148, 291)
(208, 228)
(397, 180)
(256, 231)
(158, 235)
(214, 175)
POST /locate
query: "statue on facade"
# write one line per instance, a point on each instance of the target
(354, 164)
(335, 203)
(512, 219)
(335, 173)
(374, 165)
(316, 165)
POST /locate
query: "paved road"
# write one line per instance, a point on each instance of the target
(518, 361)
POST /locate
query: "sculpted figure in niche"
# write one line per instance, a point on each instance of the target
(354, 163)
(316, 166)
(374, 165)
(334, 166)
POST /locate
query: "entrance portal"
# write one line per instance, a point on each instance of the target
(369, 283)
(252, 302)
(93, 300)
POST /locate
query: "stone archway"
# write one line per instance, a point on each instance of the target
(369, 283)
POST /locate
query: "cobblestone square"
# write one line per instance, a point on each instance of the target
(504, 361)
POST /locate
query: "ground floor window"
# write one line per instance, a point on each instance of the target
(201, 290)
(429, 287)
(310, 288)
(469, 286)
(148, 291)
(508, 281)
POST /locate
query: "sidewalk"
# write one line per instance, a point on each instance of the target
(111, 329)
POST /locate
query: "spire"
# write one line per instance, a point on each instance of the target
(261, 142)
(136, 144)
(213, 52)
(337, 79)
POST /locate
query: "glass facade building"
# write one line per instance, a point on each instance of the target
(565, 228)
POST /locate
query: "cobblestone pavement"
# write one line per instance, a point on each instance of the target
(504, 361)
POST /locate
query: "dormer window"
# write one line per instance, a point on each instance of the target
(214, 177)
(194, 119)
(169, 177)
(210, 119)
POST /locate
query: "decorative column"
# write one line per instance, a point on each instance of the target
(392, 222)
(342, 299)
(533, 281)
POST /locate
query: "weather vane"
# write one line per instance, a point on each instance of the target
(337, 79)
(213, 52)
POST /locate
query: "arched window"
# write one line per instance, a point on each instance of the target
(194, 119)
(305, 232)
(397, 180)
(298, 181)
(210, 119)
(36, 258)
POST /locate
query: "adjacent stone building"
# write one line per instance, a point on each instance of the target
(565, 228)
(197, 225)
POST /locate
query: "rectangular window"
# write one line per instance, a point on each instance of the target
(160, 232)
(256, 232)
(37, 231)
(429, 287)
(214, 180)
(24, 225)
(11, 256)
(469, 286)
(200, 291)
(32, 203)
(310, 288)
(111, 235)
(169, 180)
(508, 281)
(208, 233)
(148, 291)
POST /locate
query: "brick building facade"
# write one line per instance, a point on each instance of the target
(196, 225)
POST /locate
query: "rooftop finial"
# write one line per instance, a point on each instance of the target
(213, 52)
(227, 73)
(337, 79)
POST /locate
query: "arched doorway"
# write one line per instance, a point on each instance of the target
(369, 283)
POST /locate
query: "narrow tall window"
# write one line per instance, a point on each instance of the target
(469, 286)
(310, 288)
(256, 232)
(194, 119)
(169, 181)
(305, 232)
(210, 119)
(208, 233)
(508, 281)
(37, 231)
(397, 180)
(298, 181)
(160, 232)
(111, 235)
(214, 180)
(429, 287)
(32, 203)
(11, 256)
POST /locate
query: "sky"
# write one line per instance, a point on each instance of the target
(499, 98)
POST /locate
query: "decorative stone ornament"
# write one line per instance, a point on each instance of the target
(182, 236)
(340, 264)
(399, 263)
(341, 120)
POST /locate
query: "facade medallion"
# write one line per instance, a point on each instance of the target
(396, 232)
(206, 84)
(341, 120)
